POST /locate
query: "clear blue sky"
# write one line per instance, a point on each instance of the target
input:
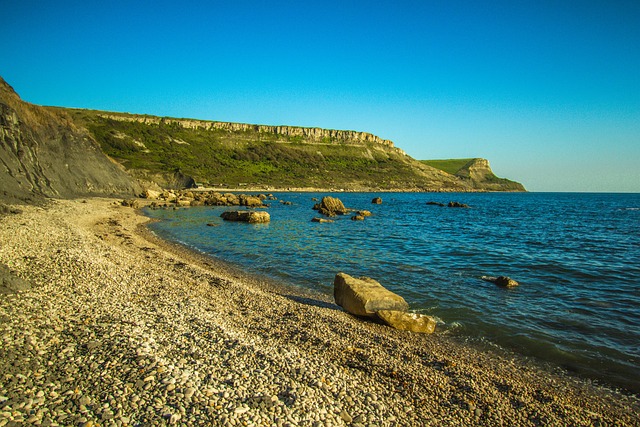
(548, 91)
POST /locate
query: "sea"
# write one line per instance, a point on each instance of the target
(576, 257)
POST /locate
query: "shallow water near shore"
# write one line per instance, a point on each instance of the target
(574, 255)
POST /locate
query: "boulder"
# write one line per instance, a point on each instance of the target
(377, 201)
(131, 203)
(502, 281)
(364, 213)
(357, 218)
(168, 196)
(250, 201)
(404, 321)
(331, 206)
(151, 194)
(231, 199)
(251, 217)
(365, 296)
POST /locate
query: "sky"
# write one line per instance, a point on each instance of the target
(547, 91)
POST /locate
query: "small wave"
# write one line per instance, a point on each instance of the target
(629, 209)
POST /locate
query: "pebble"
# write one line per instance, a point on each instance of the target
(346, 417)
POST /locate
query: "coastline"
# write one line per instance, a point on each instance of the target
(161, 334)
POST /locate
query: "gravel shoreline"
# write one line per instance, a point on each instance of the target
(121, 328)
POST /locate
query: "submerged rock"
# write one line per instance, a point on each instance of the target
(404, 321)
(502, 281)
(364, 296)
(377, 200)
(457, 205)
(322, 220)
(436, 204)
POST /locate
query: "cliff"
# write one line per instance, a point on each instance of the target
(309, 135)
(43, 154)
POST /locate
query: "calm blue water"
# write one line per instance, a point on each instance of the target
(576, 257)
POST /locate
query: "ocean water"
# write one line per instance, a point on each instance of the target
(576, 257)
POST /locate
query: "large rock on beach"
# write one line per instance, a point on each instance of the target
(151, 194)
(364, 296)
(251, 217)
(404, 321)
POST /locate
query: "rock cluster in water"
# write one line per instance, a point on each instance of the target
(185, 198)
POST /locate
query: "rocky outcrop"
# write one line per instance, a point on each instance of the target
(405, 321)
(252, 217)
(365, 296)
(43, 154)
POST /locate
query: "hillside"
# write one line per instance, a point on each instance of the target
(43, 154)
(232, 155)
(61, 152)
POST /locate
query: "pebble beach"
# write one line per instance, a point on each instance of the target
(121, 328)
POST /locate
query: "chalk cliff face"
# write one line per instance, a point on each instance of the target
(310, 135)
(478, 172)
(42, 153)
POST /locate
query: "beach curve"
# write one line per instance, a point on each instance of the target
(123, 328)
